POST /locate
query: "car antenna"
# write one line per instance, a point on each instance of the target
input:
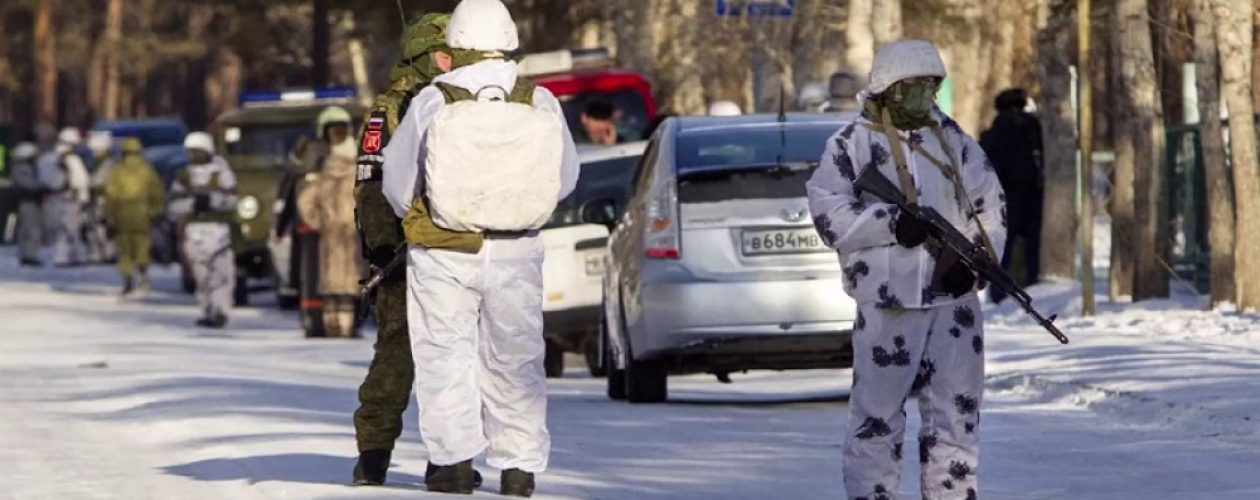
(782, 128)
(402, 14)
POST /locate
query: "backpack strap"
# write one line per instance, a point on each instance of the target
(522, 92)
(454, 93)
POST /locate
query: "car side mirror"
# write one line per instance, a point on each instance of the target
(602, 211)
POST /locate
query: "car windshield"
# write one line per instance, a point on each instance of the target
(760, 163)
(611, 179)
(630, 114)
(264, 146)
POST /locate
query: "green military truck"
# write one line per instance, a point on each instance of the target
(259, 140)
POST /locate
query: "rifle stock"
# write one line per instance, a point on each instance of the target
(368, 286)
(974, 256)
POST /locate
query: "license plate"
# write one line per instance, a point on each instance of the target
(781, 241)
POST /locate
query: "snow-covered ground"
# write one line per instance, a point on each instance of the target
(105, 399)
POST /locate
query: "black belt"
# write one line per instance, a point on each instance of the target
(507, 235)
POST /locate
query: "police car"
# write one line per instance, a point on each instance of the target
(574, 266)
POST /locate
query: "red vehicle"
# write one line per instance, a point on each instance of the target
(578, 77)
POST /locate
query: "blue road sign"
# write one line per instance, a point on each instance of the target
(755, 8)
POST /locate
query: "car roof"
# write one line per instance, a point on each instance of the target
(592, 153)
(283, 114)
(688, 124)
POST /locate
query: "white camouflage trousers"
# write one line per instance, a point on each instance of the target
(477, 341)
(208, 247)
(66, 217)
(938, 354)
(30, 231)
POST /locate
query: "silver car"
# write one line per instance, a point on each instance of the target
(714, 265)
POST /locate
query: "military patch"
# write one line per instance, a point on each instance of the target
(376, 123)
(371, 141)
(364, 173)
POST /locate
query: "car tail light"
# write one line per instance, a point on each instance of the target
(662, 231)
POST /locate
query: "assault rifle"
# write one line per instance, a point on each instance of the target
(976, 257)
(376, 275)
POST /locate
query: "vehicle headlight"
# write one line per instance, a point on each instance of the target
(247, 208)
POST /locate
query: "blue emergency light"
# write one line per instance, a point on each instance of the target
(295, 96)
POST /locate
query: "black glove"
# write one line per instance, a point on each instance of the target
(952, 276)
(380, 256)
(910, 230)
(201, 203)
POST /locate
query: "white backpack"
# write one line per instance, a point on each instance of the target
(493, 165)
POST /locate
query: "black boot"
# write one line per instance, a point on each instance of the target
(516, 483)
(459, 478)
(432, 468)
(128, 286)
(372, 466)
(216, 320)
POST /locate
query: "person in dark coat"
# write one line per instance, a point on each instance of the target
(1013, 144)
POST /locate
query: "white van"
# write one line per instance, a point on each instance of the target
(574, 267)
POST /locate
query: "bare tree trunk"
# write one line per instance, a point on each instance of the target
(1233, 35)
(1220, 193)
(886, 22)
(1145, 125)
(1059, 227)
(859, 39)
(113, 39)
(1123, 215)
(46, 61)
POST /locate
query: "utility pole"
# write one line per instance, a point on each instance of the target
(1086, 137)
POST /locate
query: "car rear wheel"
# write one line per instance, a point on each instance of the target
(553, 361)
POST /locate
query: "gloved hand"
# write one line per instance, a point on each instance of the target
(951, 275)
(201, 203)
(380, 256)
(910, 230)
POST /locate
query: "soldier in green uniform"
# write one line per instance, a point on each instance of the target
(134, 198)
(387, 389)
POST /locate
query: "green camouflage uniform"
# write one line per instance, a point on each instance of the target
(387, 389)
(134, 198)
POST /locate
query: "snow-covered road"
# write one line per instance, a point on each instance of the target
(103, 399)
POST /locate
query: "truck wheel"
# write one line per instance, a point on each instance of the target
(646, 381)
(553, 362)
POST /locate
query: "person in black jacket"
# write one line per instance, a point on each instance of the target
(1013, 144)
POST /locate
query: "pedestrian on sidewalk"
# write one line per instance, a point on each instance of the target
(919, 328)
(133, 200)
(1013, 144)
(475, 310)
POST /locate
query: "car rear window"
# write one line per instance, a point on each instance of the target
(735, 147)
(760, 163)
(611, 179)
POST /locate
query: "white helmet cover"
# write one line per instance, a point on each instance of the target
(482, 25)
(25, 151)
(69, 135)
(199, 140)
(724, 108)
(904, 59)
